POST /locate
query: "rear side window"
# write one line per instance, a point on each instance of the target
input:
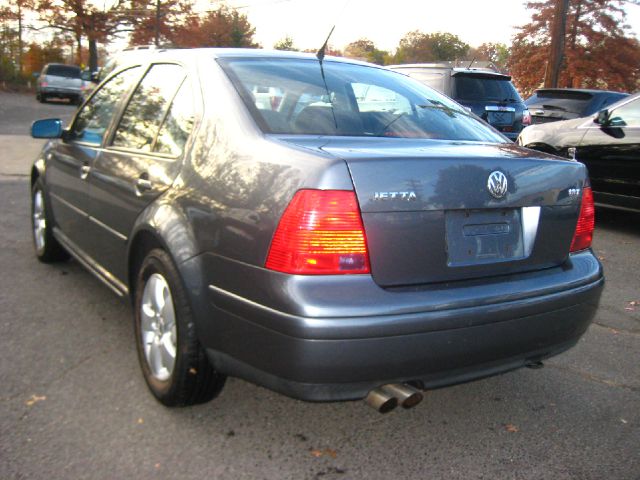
(480, 88)
(178, 123)
(67, 71)
(148, 107)
(94, 118)
(433, 79)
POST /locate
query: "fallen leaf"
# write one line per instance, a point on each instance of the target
(157, 465)
(326, 452)
(140, 421)
(193, 371)
(614, 331)
(623, 420)
(35, 399)
(509, 427)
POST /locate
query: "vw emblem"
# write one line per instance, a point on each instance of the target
(497, 184)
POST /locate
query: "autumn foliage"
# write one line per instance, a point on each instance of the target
(599, 51)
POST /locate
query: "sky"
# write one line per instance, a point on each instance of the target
(385, 22)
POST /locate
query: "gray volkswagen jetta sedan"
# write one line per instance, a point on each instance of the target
(325, 228)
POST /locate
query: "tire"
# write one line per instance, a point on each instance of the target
(42, 98)
(47, 248)
(162, 331)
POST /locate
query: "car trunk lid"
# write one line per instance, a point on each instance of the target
(429, 214)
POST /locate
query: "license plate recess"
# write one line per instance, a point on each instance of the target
(476, 237)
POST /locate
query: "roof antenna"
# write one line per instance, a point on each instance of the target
(469, 66)
(320, 57)
(323, 48)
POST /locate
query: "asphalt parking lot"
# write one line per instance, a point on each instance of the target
(74, 405)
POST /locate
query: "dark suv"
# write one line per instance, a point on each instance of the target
(332, 230)
(488, 94)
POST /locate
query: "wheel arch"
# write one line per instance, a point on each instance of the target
(161, 226)
(37, 171)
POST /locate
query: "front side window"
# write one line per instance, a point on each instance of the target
(352, 100)
(627, 115)
(148, 106)
(94, 118)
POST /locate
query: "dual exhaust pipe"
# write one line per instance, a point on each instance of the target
(387, 397)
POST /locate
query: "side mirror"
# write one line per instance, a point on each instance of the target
(48, 128)
(602, 118)
(36, 74)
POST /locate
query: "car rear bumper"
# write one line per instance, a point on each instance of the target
(60, 91)
(453, 337)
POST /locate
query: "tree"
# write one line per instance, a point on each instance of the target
(224, 27)
(417, 47)
(38, 55)
(285, 44)
(364, 49)
(14, 10)
(599, 50)
(156, 22)
(83, 19)
(496, 53)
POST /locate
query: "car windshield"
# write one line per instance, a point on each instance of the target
(292, 96)
(484, 88)
(63, 71)
(574, 102)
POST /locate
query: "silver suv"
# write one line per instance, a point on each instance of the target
(59, 81)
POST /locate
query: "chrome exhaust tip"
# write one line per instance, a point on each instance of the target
(381, 401)
(407, 396)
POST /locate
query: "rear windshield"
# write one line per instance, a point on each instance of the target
(574, 102)
(63, 71)
(479, 88)
(291, 96)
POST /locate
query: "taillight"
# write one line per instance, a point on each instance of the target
(526, 118)
(586, 221)
(44, 84)
(320, 233)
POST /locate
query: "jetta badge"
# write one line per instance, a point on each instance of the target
(497, 184)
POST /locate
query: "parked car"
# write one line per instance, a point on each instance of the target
(322, 250)
(488, 94)
(554, 104)
(608, 143)
(59, 81)
(88, 82)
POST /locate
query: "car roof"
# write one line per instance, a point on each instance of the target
(235, 53)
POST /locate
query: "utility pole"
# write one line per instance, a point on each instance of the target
(557, 44)
(157, 29)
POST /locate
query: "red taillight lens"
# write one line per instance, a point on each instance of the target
(526, 118)
(586, 221)
(320, 233)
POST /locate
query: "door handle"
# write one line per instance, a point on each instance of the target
(143, 185)
(84, 171)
